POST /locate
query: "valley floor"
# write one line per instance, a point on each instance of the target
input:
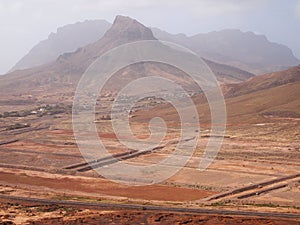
(256, 169)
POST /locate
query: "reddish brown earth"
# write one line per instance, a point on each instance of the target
(164, 219)
(56, 215)
(101, 186)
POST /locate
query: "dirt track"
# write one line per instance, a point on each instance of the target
(257, 189)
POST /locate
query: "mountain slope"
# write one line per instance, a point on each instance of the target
(68, 68)
(245, 50)
(263, 82)
(259, 107)
(266, 99)
(66, 39)
(228, 74)
(60, 78)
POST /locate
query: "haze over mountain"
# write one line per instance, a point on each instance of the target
(67, 39)
(63, 74)
(244, 50)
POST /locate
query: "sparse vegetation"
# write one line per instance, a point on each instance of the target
(221, 203)
(192, 186)
(17, 126)
(271, 205)
(106, 117)
(75, 198)
(40, 111)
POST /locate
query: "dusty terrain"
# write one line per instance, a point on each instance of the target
(42, 161)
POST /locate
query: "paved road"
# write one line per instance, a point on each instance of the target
(99, 205)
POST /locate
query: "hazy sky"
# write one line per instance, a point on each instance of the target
(23, 23)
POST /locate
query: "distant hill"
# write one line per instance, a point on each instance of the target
(67, 39)
(62, 75)
(245, 50)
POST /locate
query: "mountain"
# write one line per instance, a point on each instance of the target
(62, 75)
(67, 69)
(67, 39)
(245, 50)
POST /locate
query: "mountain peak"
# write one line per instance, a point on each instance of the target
(123, 19)
(131, 29)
